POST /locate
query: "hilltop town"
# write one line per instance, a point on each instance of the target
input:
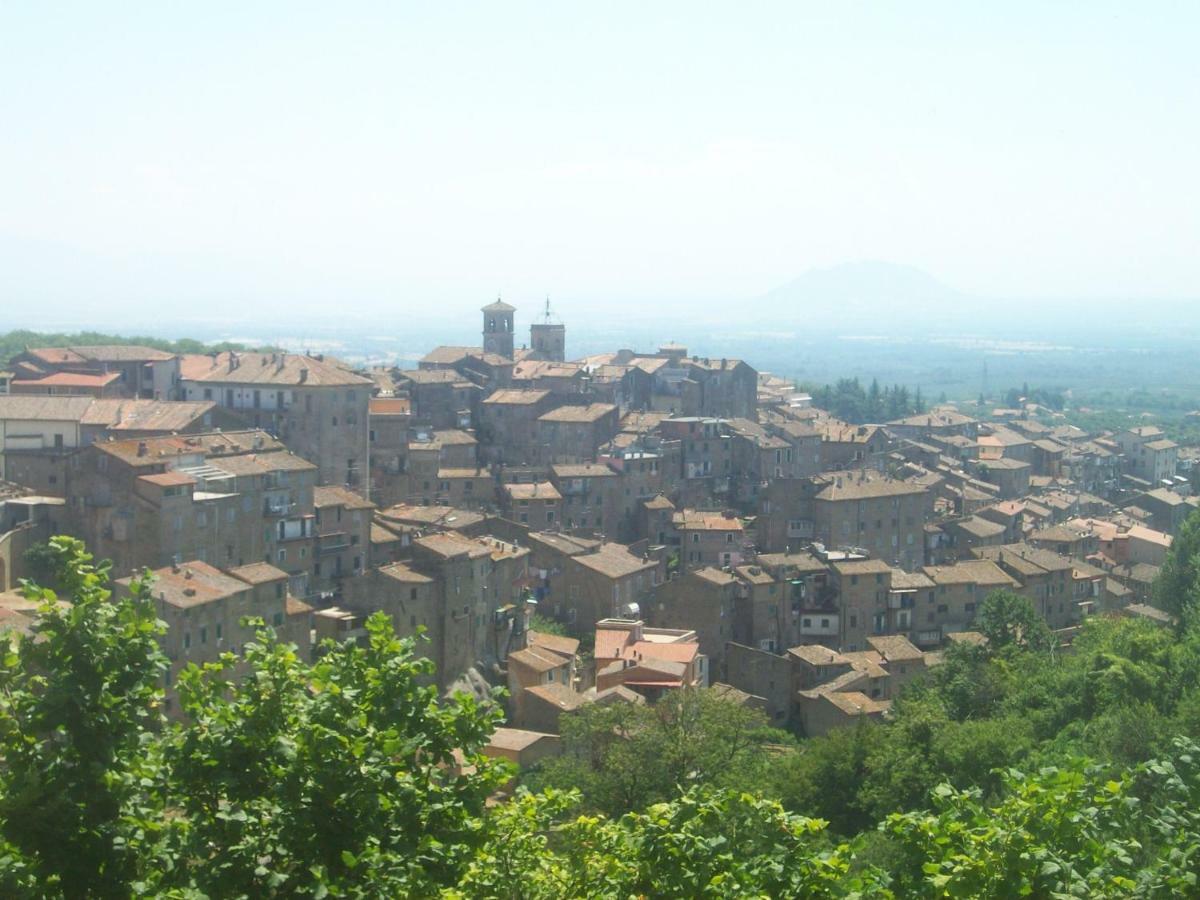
(592, 531)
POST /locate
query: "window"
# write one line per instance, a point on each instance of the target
(277, 619)
(187, 640)
(335, 421)
(282, 556)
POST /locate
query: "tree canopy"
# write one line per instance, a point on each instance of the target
(1010, 770)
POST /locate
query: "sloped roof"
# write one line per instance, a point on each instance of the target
(275, 369)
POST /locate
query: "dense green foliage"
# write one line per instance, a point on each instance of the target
(295, 779)
(622, 757)
(1011, 770)
(14, 342)
(849, 401)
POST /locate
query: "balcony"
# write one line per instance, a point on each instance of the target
(278, 507)
(333, 543)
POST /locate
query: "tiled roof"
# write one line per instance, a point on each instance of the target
(614, 561)
(970, 571)
(68, 379)
(275, 369)
(169, 479)
(258, 573)
(451, 544)
(593, 412)
(335, 495)
(45, 408)
(389, 406)
(192, 584)
(582, 470)
(538, 491)
(516, 397)
(696, 520)
(862, 485)
(817, 655)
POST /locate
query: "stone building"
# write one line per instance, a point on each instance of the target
(315, 405)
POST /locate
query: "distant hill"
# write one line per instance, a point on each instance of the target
(867, 293)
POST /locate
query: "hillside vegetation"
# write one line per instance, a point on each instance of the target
(14, 342)
(1015, 770)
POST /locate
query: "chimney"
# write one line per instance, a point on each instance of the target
(143, 449)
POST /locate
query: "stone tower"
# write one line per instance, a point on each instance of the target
(548, 337)
(498, 328)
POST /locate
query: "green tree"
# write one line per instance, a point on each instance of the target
(1177, 588)
(1006, 618)
(705, 843)
(622, 756)
(42, 562)
(546, 625)
(81, 786)
(346, 776)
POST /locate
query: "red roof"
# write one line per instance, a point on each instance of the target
(169, 479)
(70, 379)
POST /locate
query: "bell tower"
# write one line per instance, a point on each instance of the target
(498, 328)
(548, 337)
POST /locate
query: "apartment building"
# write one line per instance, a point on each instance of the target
(586, 581)
(1044, 577)
(574, 434)
(314, 404)
(103, 371)
(228, 499)
(649, 661)
(205, 609)
(951, 603)
(873, 512)
(38, 434)
(508, 424)
(704, 600)
(343, 535)
(709, 538)
(1149, 455)
(537, 505)
(591, 497)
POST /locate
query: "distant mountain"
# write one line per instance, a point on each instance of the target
(866, 293)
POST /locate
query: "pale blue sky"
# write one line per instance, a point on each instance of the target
(394, 156)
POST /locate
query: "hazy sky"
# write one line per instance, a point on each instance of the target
(407, 155)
